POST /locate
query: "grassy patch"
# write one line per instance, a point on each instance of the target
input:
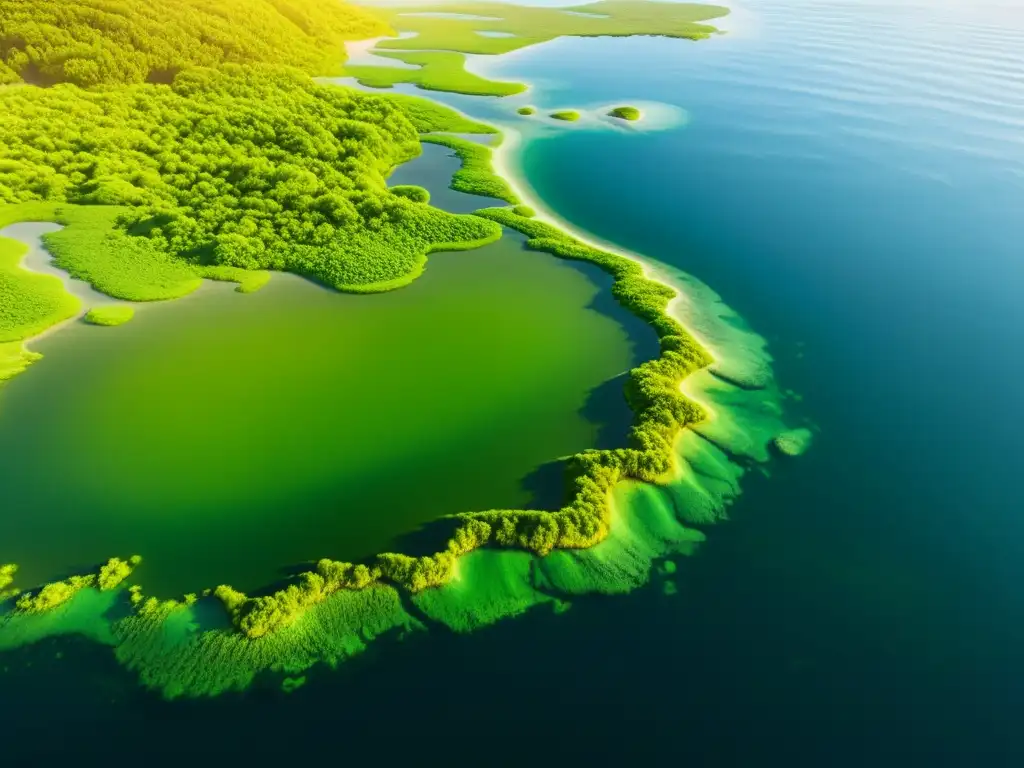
(568, 115)
(110, 315)
(625, 113)
(527, 111)
(437, 71)
(535, 24)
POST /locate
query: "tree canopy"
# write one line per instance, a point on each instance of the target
(88, 42)
(256, 167)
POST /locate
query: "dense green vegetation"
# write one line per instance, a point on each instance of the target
(436, 71)
(794, 442)
(255, 168)
(625, 113)
(476, 176)
(113, 314)
(527, 111)
(29, 302)
(439, 43)
(569, 115)
(229, 172)
(430, 117)
(88, 42)
(652, 391)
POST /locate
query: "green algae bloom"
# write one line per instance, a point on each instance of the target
(114, 314)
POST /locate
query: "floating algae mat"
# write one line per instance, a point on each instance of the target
(224, 437)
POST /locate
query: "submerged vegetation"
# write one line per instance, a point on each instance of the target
(89, 42)
(625, 113)
(113, 314)
(439, 42)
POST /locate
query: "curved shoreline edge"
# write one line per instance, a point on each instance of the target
(332, 612)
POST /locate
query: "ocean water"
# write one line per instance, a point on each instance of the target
(850, 177)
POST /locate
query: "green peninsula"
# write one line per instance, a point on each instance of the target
(438, 43)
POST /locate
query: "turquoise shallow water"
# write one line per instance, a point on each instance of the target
(850, 179)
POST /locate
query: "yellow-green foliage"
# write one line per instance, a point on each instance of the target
(53, 595)
(526, 111)
(436, 71)
(476, 176)
(255, 168)
(172, 655)
(412, 192)
(568, 115)
(430, 117)
(116, 570)
(257, 616)
(625, 113)
(29, 302)
(14, 359)
(524, 211)
(530, 24)
(113, 314)
(249, 281)
(130, 41)
(6, 579)
(439, 44)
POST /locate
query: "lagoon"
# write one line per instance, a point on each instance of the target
(225, 436)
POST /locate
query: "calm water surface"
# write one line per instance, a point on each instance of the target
(850, 178)
(223, 436)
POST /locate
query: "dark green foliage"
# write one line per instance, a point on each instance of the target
(255, 168)
(411, 192)
(476, 176)
(88, 42)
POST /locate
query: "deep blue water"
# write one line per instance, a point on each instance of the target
(851, 179)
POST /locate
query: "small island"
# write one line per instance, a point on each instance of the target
(526, 111)
(625, 113)
(109, 315)
(569, 115)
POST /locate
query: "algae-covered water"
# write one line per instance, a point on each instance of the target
(225, 436)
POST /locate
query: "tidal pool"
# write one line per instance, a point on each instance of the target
(225, 436)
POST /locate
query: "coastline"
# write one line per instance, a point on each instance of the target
(592, 561)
